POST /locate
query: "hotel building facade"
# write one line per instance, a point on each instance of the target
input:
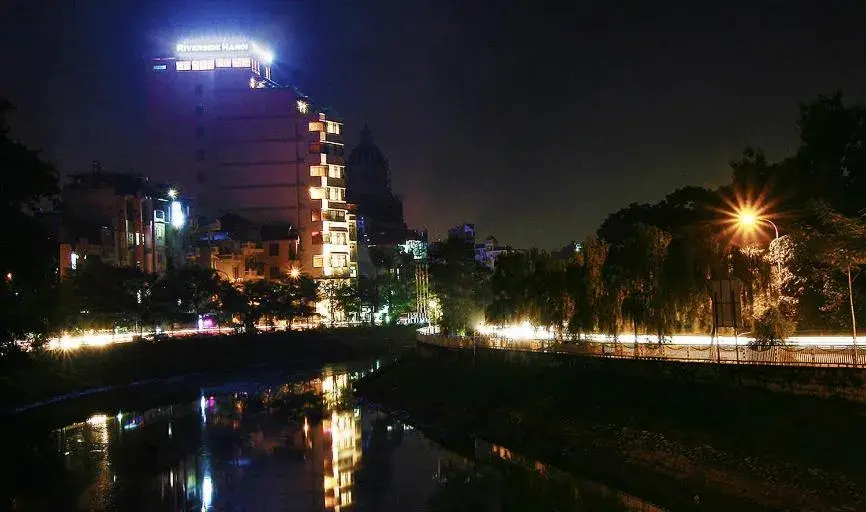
(221, 128)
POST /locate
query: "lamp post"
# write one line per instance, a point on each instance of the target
(749, 219)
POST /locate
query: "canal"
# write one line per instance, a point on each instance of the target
(298, 442)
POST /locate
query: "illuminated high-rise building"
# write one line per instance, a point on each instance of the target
(223, 129)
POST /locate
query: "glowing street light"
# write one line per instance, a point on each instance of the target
(748, 219)
(295, 272)
(172, 193)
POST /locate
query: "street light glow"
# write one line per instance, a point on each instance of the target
(747, 217)
(295, 272)
(172, 193)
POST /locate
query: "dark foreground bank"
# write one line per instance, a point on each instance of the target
(50, 375)
(685, 446)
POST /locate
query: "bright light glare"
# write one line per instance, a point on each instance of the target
(97, 419)
(172, 193)
(264, 55)
(747, 217)
(177, 216)
(526, 332)
(206, 492)
(295, 272)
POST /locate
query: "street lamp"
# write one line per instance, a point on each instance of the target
(749, 218)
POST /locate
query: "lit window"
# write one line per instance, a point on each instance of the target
(159, 67)
(73, 260)
(317, 170)
(183, 65)
(339, 260)
(323, 137)
(333, 127)
(202, 65)
(223, 63)
(317, 261)
(303, 107)
(317, 193)
(338, 238)
(336, 194)
(316, 126)
(323, 158)
(335, 171)
(241, 62)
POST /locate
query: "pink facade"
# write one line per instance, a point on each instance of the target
(242, 144)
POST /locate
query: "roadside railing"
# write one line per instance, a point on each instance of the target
(784, 355)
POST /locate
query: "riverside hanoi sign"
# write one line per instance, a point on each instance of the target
(213, 47)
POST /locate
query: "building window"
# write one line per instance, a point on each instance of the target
(339, 260)
(160, 233)
(275, 272)
(274, 249)
(316, 238)
(317, 193)
(159, 67)
(202, 65)
(338, 238)
(199, 89)
(316, 215)
(199, 132)
(303, 107)
(316, 126)
(317, 261)
(317, 170)
(199, 109)
(336, 194)
(223, 63)
(183, 65)
(335, 171)
(333, 127)
(241, 62)
(200, 155)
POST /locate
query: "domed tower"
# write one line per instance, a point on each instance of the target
(368, 179)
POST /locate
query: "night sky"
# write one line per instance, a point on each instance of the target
(534, 120)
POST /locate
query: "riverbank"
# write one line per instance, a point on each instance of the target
(51, 375)
(748, 448)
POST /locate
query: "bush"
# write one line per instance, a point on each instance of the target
(772, 328)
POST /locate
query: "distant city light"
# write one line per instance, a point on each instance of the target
(172, 193)
(177, 216)
(264, 55)
(303, 107)
(97, 419)
(206, 492)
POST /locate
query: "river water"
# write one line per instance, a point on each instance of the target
(296, 443)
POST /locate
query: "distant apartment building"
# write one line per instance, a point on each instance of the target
(487, 252)
(241, 251)
(125, 220)
(220, 124)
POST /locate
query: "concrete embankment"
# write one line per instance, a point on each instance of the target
(45, 377)
(664, 434)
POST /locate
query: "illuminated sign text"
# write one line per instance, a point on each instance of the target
(212, 47)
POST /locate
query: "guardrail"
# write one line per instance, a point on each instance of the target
(784, 355)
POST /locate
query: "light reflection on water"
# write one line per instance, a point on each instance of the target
(300, 445)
